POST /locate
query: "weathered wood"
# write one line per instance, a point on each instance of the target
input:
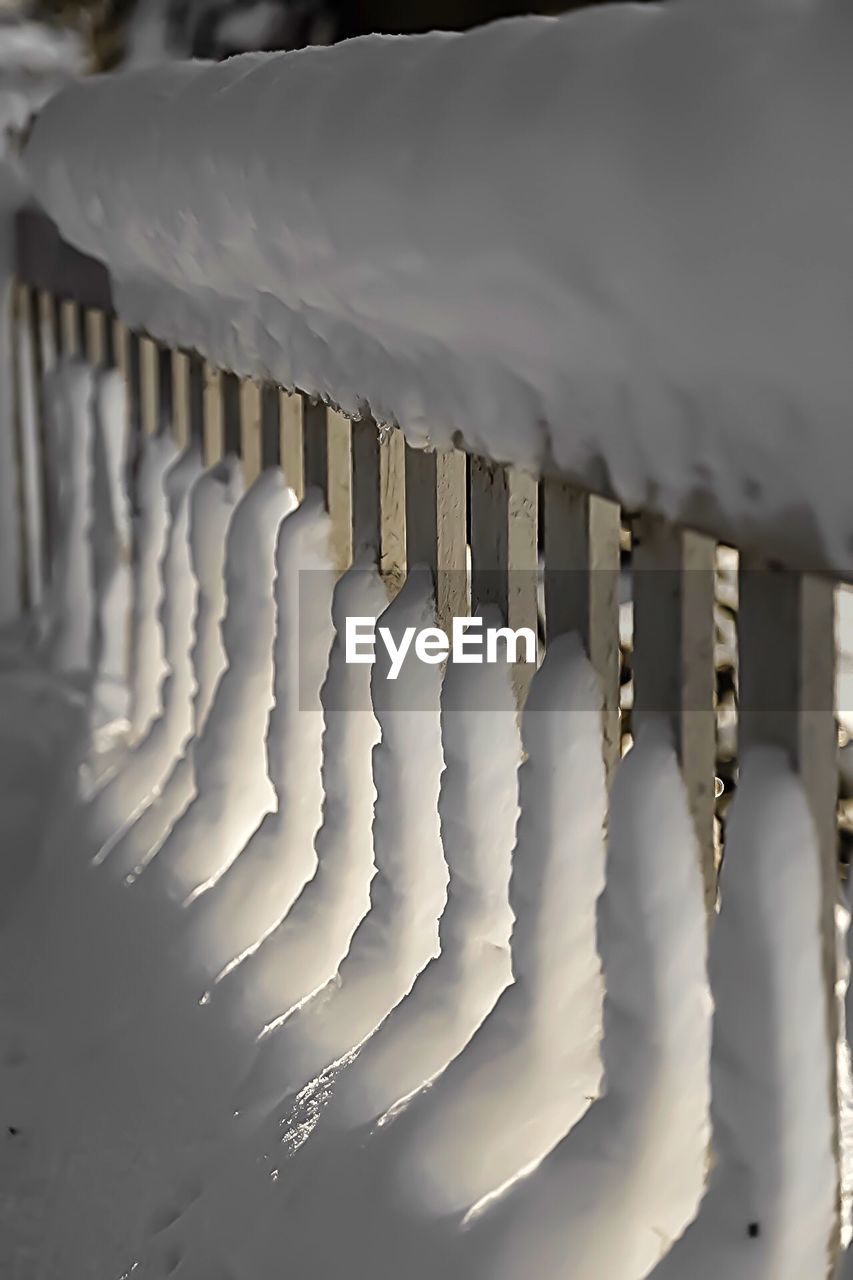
(292, 443)
(673, 586)
(250, 429)
(339, 486)
(71, 328)
(96, 337)
(436, 526)
(214, 421)
(149, 386)
(504, 549)
(786, 641)
(582, 559)
(48, 337)
(121, 350)
(392, 510)
(180, 371)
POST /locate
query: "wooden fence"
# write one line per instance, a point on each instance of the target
(492, 534)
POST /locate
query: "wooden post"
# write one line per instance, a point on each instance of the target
(786, 641)
(180, 371)
(121, 351)
(292, 442)
(149, 386)
(214, 426)
(250, 429)
(673, 584)
(581, 544)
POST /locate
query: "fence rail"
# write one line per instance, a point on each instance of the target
(547, 553)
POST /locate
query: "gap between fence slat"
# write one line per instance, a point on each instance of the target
(673, 587)
(250, 429)
(339, 486)
(786, 641)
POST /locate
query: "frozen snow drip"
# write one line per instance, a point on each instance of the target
(233, 790)
(149, 761)
(212, 502)
(260, 886)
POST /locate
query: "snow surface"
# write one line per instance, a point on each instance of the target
(668, 316)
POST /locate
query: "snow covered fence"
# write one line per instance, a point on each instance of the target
(541, 539)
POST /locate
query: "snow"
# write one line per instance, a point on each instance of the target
(212, 501)
(111, 549)
(148, 668)
(233, 790)
(772, 1132)
(667, 317)
(142, 773)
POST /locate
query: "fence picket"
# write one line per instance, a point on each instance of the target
(149, 386)
(180, 415)
(504, 548)
(29, 473)
(95, 323)
(214, 424)
(581, 547)
(339, 486)
(673, 585)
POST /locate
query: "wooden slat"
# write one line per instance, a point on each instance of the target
(786, 642)
(504, 548)
(392, 510)
(339, 490)
(96, 337)
(70, 328)
(214, 424)
(180, 371)
(292, 445)
(581, 545)
(436, 526)
(121, 349)
(48, 338)
(250, 429)
(149, 386)
(673, 586)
